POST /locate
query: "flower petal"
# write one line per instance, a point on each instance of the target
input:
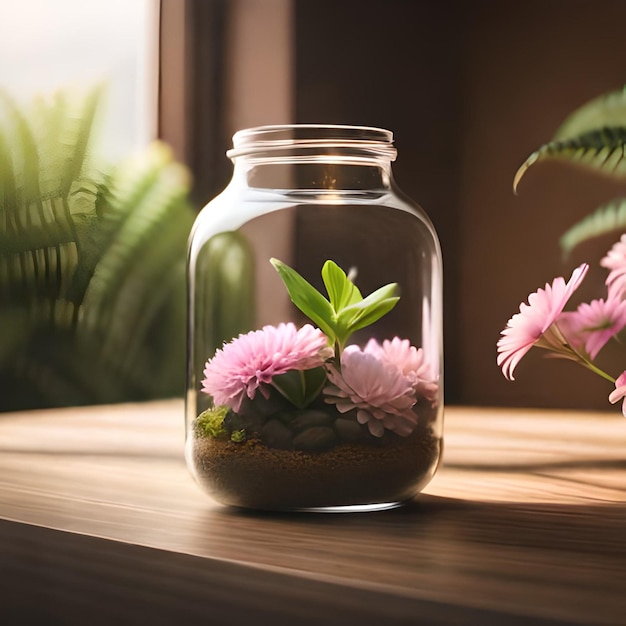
(381, 393)
(250, 361)
(525, 328)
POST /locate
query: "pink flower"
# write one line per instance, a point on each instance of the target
(411, 361)
(593, 324)
(615, 260)
(382, 395)
(526, 328)
(620, 392)
(250, 361)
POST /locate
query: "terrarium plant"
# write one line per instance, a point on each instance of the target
(275, 374)
(92, 261)
(309, 396)
(593, 136)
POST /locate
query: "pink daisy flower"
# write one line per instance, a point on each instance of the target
(620, 392)
(593, 324)
(615, 260)
(382, 395)
(411, 361)
(532, 325)
(250, 362)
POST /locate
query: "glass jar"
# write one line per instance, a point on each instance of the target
(315, 327)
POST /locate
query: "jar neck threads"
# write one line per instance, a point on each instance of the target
(317, 157)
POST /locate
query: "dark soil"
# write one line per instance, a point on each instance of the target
(253, 475)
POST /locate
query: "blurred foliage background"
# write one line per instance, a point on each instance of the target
(92, 262)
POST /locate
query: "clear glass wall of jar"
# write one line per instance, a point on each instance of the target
(315, 327)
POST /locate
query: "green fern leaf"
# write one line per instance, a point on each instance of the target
(41, 156)
(64, 125)
(145, 287)
(605, 219)
(147, 185)
(92, 265)
(601, 150)
(605, 110)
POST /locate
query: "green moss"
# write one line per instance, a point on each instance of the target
(210, 423)
(238, 435)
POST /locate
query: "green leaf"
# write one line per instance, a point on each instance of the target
(601, 150)
(341, 290)
(350, 311)
(366, 312)
(353, 313)
(91, 323)
(308, 299)
(605, 110)
(365, 318)
(605, 219)
(300, 387)
(593, 135)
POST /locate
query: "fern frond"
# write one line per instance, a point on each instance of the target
(145, 286)
(64, 126)
(156, 181)
(92, 264)
(79, 129)
(602, 150)
(38, 244)
(605, 219)
(25, 153)
(605, 110)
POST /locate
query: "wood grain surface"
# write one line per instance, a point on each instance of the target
(523, 523)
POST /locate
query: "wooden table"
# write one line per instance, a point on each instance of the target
(525, 523)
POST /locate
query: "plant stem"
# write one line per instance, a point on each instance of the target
(555, 341)
(596, 370)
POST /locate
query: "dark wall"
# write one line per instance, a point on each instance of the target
(525, 71)
(470, 89)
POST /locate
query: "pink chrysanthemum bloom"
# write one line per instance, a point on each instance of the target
(382, 395)
(411, 361)
(250, 362)
(620, 392)
(534, 324)
(615, 261)
(592, 325)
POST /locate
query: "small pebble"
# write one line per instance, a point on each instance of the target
(309, 419)
(349, 430)
(315, 439)
(275, 434)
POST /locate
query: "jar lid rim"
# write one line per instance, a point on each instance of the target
(280, 136)
(272, 128)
